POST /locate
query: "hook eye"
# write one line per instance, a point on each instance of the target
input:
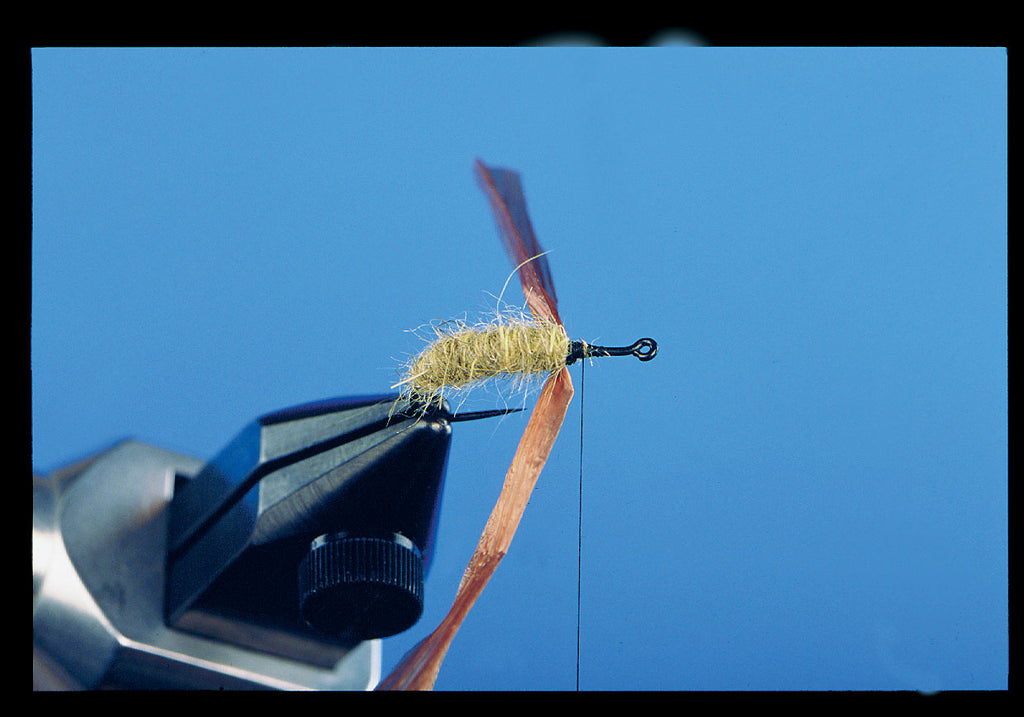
(645, 349)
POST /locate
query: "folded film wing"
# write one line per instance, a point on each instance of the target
(419, 668)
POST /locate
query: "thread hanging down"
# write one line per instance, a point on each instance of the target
(579, 532)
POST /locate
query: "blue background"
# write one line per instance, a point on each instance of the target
(807, 489)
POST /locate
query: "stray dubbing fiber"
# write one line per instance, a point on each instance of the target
(463, 354)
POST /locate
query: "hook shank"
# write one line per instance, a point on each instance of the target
(644, 349)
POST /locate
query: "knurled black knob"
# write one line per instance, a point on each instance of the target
(360, 588)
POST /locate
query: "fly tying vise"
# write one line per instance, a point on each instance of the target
(510, 347)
